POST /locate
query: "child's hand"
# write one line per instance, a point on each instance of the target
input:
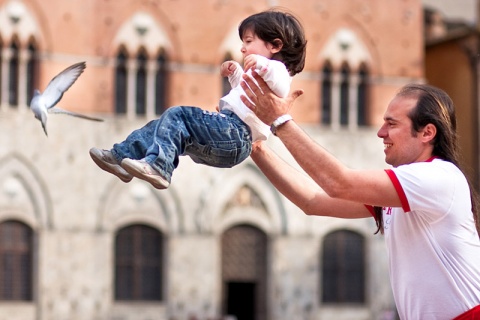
(227, 68)
(250, 62)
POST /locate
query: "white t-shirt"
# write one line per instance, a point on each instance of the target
(278, 80)
(433, 246)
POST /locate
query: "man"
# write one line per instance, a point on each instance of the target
(423, 205)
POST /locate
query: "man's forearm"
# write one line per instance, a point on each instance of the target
(293, 184)
(318, 163)
(301, 189)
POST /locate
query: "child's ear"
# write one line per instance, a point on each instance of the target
(277, 45)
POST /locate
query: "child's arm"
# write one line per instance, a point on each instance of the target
(273, 72)
(233, 71)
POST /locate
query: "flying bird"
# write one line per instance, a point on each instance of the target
(44, 103)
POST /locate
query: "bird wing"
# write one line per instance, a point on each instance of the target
(57, 110)
(60, 83)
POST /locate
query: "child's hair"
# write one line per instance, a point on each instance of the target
(273, 25)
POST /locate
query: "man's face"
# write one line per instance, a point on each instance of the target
(402, 145)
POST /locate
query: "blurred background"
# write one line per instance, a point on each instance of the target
(77, 243)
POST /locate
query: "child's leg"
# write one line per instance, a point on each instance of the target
(106, 161)
(136, 144)
(210, 138)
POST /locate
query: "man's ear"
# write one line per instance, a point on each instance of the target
(277, 45)
(429, 133)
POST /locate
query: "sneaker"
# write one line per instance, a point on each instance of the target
(142, 170)
(106, 161)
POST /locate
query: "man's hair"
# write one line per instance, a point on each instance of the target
(273, 25)
(434, 106)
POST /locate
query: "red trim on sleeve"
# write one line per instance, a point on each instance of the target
(370, 208)
(398, 187)
(471, 314)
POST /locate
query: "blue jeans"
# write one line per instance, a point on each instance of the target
(217, 139)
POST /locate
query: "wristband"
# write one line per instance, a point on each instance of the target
(279, 122)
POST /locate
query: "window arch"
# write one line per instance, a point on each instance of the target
(141, 83)
(327, 93)
(16, 252)
(362, 95)
(1, 70)
(13, 74)
(139, 264)
(121, 82)
(31, 69)
(225, 83)
(344, 94)
(343, 267)
(161, 80)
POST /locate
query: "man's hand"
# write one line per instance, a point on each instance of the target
(263, 102)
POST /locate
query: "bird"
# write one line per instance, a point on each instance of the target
(44, 103)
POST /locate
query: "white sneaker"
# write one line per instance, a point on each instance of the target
(142, 170)
(106, 161)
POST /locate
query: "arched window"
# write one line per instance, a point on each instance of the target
(13, 74)
(138, 264)
(344, 94)
(161, 83)
(141, 84)
(1, 69)
(326, 94)
(343, 268)
(121, 82)
(31, 70)
(225, 83)
(16, 251)
(362, 95)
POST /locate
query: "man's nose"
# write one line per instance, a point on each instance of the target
(382, 132)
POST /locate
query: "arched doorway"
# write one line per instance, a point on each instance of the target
(244, 272)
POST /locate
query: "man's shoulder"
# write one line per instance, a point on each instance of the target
(435, 169)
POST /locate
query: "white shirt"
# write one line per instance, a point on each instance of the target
(278, 80)
(433, 246)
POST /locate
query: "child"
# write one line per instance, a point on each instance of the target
(274, 46)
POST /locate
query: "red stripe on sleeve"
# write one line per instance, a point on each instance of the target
(370, 208)
(471, 314)
(398, 187)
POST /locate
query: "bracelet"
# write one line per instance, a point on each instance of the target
(279, 122)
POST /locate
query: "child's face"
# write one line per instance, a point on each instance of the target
(254, 45)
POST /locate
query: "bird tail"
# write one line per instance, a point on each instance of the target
(56, 110)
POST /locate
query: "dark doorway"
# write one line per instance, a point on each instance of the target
(241, 300)
(244, 273)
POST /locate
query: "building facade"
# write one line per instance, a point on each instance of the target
(77, 243)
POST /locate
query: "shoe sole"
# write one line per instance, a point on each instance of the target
(155, 180)
(97, 158)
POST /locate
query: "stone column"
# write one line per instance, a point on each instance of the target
(353, 101)
(131, 85)
(151, 72)
(335, 112)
